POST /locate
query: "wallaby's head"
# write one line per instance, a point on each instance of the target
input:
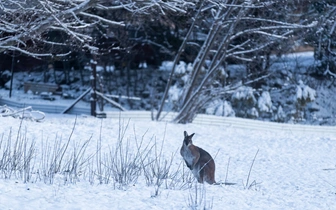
(187, 138)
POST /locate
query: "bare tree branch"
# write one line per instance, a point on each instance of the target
(31, 21)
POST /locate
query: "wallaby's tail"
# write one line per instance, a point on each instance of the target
(224, 183)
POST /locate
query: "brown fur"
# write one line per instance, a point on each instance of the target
(198, 160)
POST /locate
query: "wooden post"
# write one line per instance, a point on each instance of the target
(12, 75)
(93, 78)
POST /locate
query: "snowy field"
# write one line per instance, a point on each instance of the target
(271, 169)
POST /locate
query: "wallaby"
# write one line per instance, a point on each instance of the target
(198, 160)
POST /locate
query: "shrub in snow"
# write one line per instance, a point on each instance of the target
(99, 68)
(142, 65)
(15, 85)
(244, 94)
(181, 68)
(226, 110)
(222, 72)
(265, 102)
(220, 108)
(110, 68)
(190, 67)
(166, 66)
(304, 95)
(185, 79)
(186, 73)
(211, 107)
(252, 113)
(221, 76)
(243, 100)
(174, 94)
(4, 77)
(88, 68)
(280, 116)
(265, 105)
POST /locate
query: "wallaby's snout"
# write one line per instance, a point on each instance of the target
(198, 160)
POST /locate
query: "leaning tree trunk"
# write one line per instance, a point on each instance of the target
(177, 58)
(193, 92)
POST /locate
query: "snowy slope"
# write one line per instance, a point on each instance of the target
(293, 169)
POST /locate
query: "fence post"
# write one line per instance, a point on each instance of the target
(93, 78)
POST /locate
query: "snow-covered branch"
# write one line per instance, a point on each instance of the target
(128, 7)
(275, 27)
(255, 49)
(30, 27)
(102, 19)
(23, 22)
(36, 55)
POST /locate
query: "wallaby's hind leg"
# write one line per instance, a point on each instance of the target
(201, 176)
(204, 175)
(208, 175)
(198, 174)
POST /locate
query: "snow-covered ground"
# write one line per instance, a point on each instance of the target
(292, 169)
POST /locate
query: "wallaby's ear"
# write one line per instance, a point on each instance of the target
(186, 134)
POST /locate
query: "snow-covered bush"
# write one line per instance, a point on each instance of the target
(110, 68)
(99, 68)
(252, 113)
(265, 102)
(221, 76)
(87, 67)
(265, 105)
(185, 78)
(220, 108)
(174, 94)
(4, 77)
(243, 100)
(280, 116)
(189, 67)
(181, 68)
(226, 109)
(166, 66)
(304, 94)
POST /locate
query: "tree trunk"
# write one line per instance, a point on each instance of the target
(191, 99)
(177, 58)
